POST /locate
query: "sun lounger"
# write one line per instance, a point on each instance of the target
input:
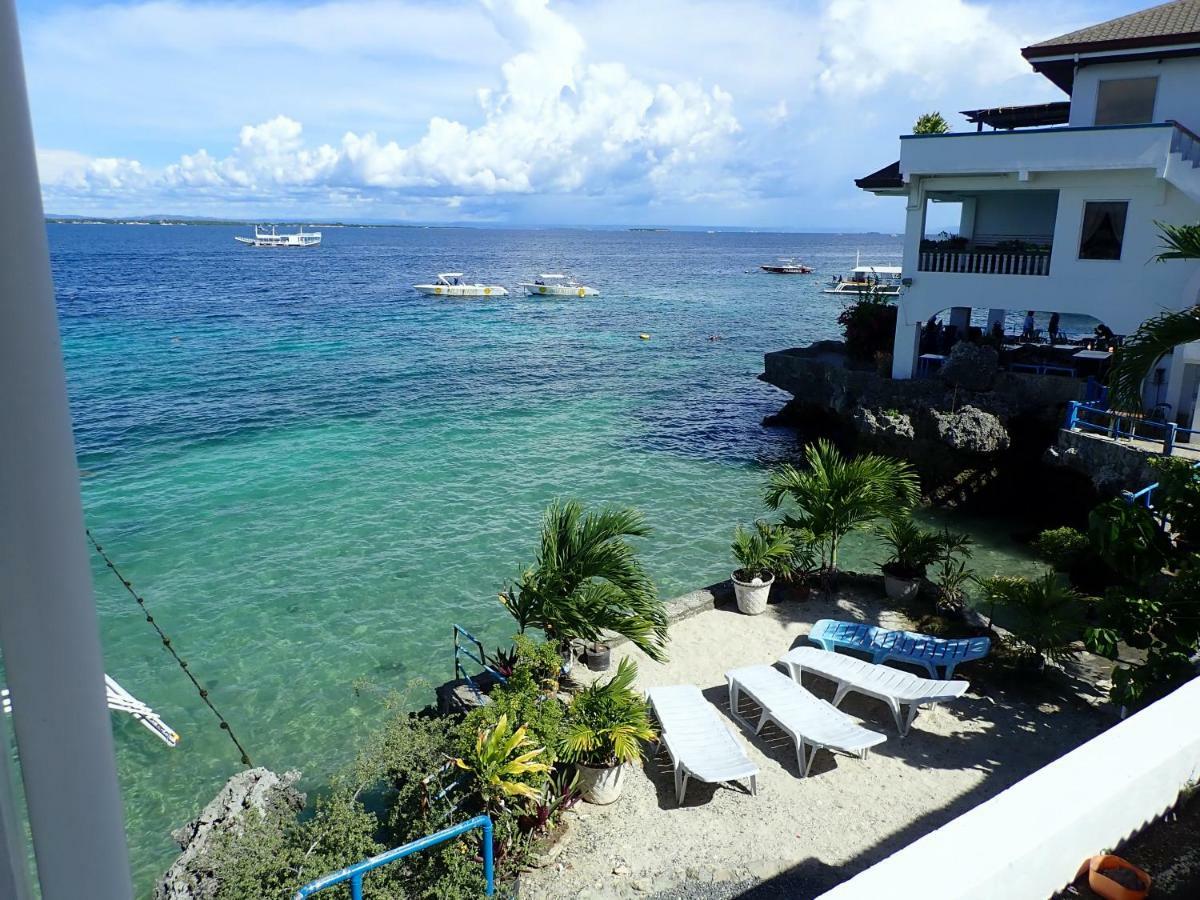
(700, 745)
(894, 687)
(901, 646)
(803, 717)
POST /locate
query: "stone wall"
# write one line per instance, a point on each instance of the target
(1111, 466)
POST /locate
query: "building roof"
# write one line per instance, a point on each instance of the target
(882, 179)
(1153, 30)
(1034, 116)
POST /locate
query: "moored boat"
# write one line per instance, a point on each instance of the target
(264, 238)
(883, 280)
(787, 267)
(552, 284)
(451, 284)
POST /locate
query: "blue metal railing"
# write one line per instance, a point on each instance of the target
(1121, 425)
(354, 874)
(480, 657)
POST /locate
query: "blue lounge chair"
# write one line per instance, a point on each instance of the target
(902, 646)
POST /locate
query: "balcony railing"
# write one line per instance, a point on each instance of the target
(987, 256)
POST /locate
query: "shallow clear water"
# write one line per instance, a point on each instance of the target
(310, 471)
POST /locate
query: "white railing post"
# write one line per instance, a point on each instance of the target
(48, 627)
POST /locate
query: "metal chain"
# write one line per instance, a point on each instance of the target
(170, 647)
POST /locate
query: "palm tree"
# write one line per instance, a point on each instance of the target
(587, 579)
(834, 495)
(1158, 336)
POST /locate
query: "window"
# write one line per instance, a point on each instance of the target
(1103, 229)
(1126, 101)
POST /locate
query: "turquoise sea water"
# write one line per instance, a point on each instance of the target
(310, 471)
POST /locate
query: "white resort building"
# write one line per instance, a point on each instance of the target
(1059, 201)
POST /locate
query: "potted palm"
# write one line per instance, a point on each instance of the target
(913, 550)
(761, 554)
(602, 733)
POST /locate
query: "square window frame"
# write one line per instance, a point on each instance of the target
(1082, 220)
(1153, 109)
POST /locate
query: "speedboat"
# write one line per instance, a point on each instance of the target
(883, 280)
(451, 284)
(551, 284)
(787, 267)
(264, 238)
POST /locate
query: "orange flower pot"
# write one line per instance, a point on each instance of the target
(1101, 883)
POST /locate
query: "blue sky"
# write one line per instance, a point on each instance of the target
(754, 113)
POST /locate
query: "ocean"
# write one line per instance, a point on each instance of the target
(310, 471)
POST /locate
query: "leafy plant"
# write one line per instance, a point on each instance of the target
(1061, 547)
(931, 123)
(1048, 615)
(1140, 352)
(952, 573)
(1127, 538)
(560, 794)
(913, 549)
(766, 551)
(868, 324)
(522, 700)
(587, 579)
(502, 762)
(834, 495)
(1178, 498)
(607, 721)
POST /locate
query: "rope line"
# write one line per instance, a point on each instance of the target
(170, 647)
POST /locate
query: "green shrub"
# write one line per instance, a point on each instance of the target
(1061, 547)
(607, 721)
(524, 702)
(1048, 615)
(868, 325)
(762, 553)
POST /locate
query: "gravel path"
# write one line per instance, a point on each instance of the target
(800, 836)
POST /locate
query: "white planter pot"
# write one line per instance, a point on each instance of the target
(600, 786)
(900, 588)
(752, 595)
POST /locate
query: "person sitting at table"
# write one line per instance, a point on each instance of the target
(1105, 339)
(1028, 332)
(1052, 330)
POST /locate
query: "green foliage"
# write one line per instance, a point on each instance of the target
(1048, 615)
(587, 578)
(502, 762)
(834, 495)
(607, 721)
(931, 123)
(1061, 547)
(868, 324)
(1179, 241)
(1178, 498)
(1128, 540)
(525, 701)
(952, 573)
(1142, 350)
(767, 550)
(913, 548)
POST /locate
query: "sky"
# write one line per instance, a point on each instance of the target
(743, 113)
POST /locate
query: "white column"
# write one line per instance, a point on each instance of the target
(905, 350)
(48, 627)
(907, 342)
(996, 317)
(960, 318)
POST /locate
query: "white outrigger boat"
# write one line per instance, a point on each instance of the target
(451, 284)
(264, 238)
(884, 280)
(552, 284)
(787, 267)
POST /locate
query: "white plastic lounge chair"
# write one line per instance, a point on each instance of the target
(894, 687)
(901, 646)
(700, 745)
(803, 717)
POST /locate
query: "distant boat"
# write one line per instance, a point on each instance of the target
(550, 284)
(264, 238)
(451, 284)
(787, 267)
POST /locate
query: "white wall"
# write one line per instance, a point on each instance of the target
(1028, 841)
(1122, 293)
(1178, 95)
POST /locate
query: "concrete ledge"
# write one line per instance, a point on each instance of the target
(1030, 840)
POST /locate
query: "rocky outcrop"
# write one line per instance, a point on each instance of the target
(191, 876)
(971, 430)
(972, 367)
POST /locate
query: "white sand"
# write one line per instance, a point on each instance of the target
(847, 814)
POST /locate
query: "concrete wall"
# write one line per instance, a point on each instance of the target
(1178, 94)
(1028, 841)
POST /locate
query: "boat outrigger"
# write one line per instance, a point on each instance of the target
(551, 284)
(787, 267)
(451, 284)
(264, 238)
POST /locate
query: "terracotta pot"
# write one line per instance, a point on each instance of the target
(752, 595)
(900, 589)
(600, 785)
(1110, 889)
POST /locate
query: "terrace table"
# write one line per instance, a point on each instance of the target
(1093, 354)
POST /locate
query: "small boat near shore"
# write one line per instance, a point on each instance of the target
(553, 284)
(451, 284)
(264, 238)
(883, 280)
(787, 267)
